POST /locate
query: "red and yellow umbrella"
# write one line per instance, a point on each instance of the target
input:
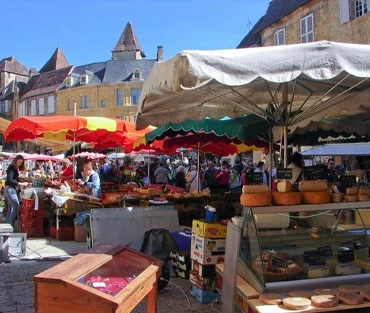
(60, 127)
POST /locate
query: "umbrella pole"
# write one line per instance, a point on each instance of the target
(74, 158)
(285, 130)
(149, 165)
(198, 167)
(74, 147)
(271, 147)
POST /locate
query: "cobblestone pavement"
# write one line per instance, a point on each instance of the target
(17, 287)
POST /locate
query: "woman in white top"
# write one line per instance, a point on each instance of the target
(191, 178)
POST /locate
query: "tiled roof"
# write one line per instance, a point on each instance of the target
(277, 9)
(44, 83)
(7, 93)
(12, 65)
(97, 68)
(57, 61)
(252, 38)
(128, 40)
(121, 70)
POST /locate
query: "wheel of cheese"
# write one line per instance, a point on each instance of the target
(350, 198)
(296, 303)
(255, 189)
(286, 198)
(325, 301)
(366, 287)
(336, 197)
(313, 185)
(318, 272)
(327, 291)
(316, 197)
(365, 294)
(362, 197)
(350, 288)
(255, 199)
(271, 298)
(351, 191)
(347, 269)
(350, 298)
(363, 190)
(284, 186)
(302, 293)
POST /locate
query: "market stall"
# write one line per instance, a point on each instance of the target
(299, 244)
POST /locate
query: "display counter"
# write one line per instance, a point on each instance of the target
(99, 283)
(312, 247)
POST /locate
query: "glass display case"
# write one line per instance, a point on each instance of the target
(113, 281)
(285, 248)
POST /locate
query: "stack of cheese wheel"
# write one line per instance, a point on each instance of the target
(284, 195)
(363, 193)
(314, 191)
(255, 195)
(351, 194)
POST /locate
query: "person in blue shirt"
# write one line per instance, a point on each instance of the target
(91, 181)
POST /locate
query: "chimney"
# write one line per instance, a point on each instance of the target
(159, 53)
(32, 72)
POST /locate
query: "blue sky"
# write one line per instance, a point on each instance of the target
(87, 30)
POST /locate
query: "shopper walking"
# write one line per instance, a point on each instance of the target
(12, 184)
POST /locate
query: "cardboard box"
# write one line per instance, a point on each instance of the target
(208, 245)
(365, 216)
(209, 230)
(202, 283)
(204, 296)
(80, 233)
(206, 259)
(203, 270)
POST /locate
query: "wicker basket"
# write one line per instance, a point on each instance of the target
(38, 182)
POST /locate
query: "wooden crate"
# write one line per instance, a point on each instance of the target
(66, 288)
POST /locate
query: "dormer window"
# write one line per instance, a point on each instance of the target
(136, 75)
(84, 79)
(69, 81)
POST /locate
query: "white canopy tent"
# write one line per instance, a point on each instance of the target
(290, 86)
(359, 148)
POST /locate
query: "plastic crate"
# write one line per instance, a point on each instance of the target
(66, 233)
(27, 208)
(204, 296)
(37, 222)
(32, 230)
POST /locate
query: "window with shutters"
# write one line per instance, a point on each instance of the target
(307, 29)
(135, 96)
(351, 9)
(360, 7)
(41, 106)
(33, 107)
(22, 109)
(119, 97)
(7, 106)
(279, 37)
(84, 102)
(51, 104)
(69, 104)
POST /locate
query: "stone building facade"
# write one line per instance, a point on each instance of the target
(299, 21)
(111, 88)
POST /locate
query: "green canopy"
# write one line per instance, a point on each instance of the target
(239, 130)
